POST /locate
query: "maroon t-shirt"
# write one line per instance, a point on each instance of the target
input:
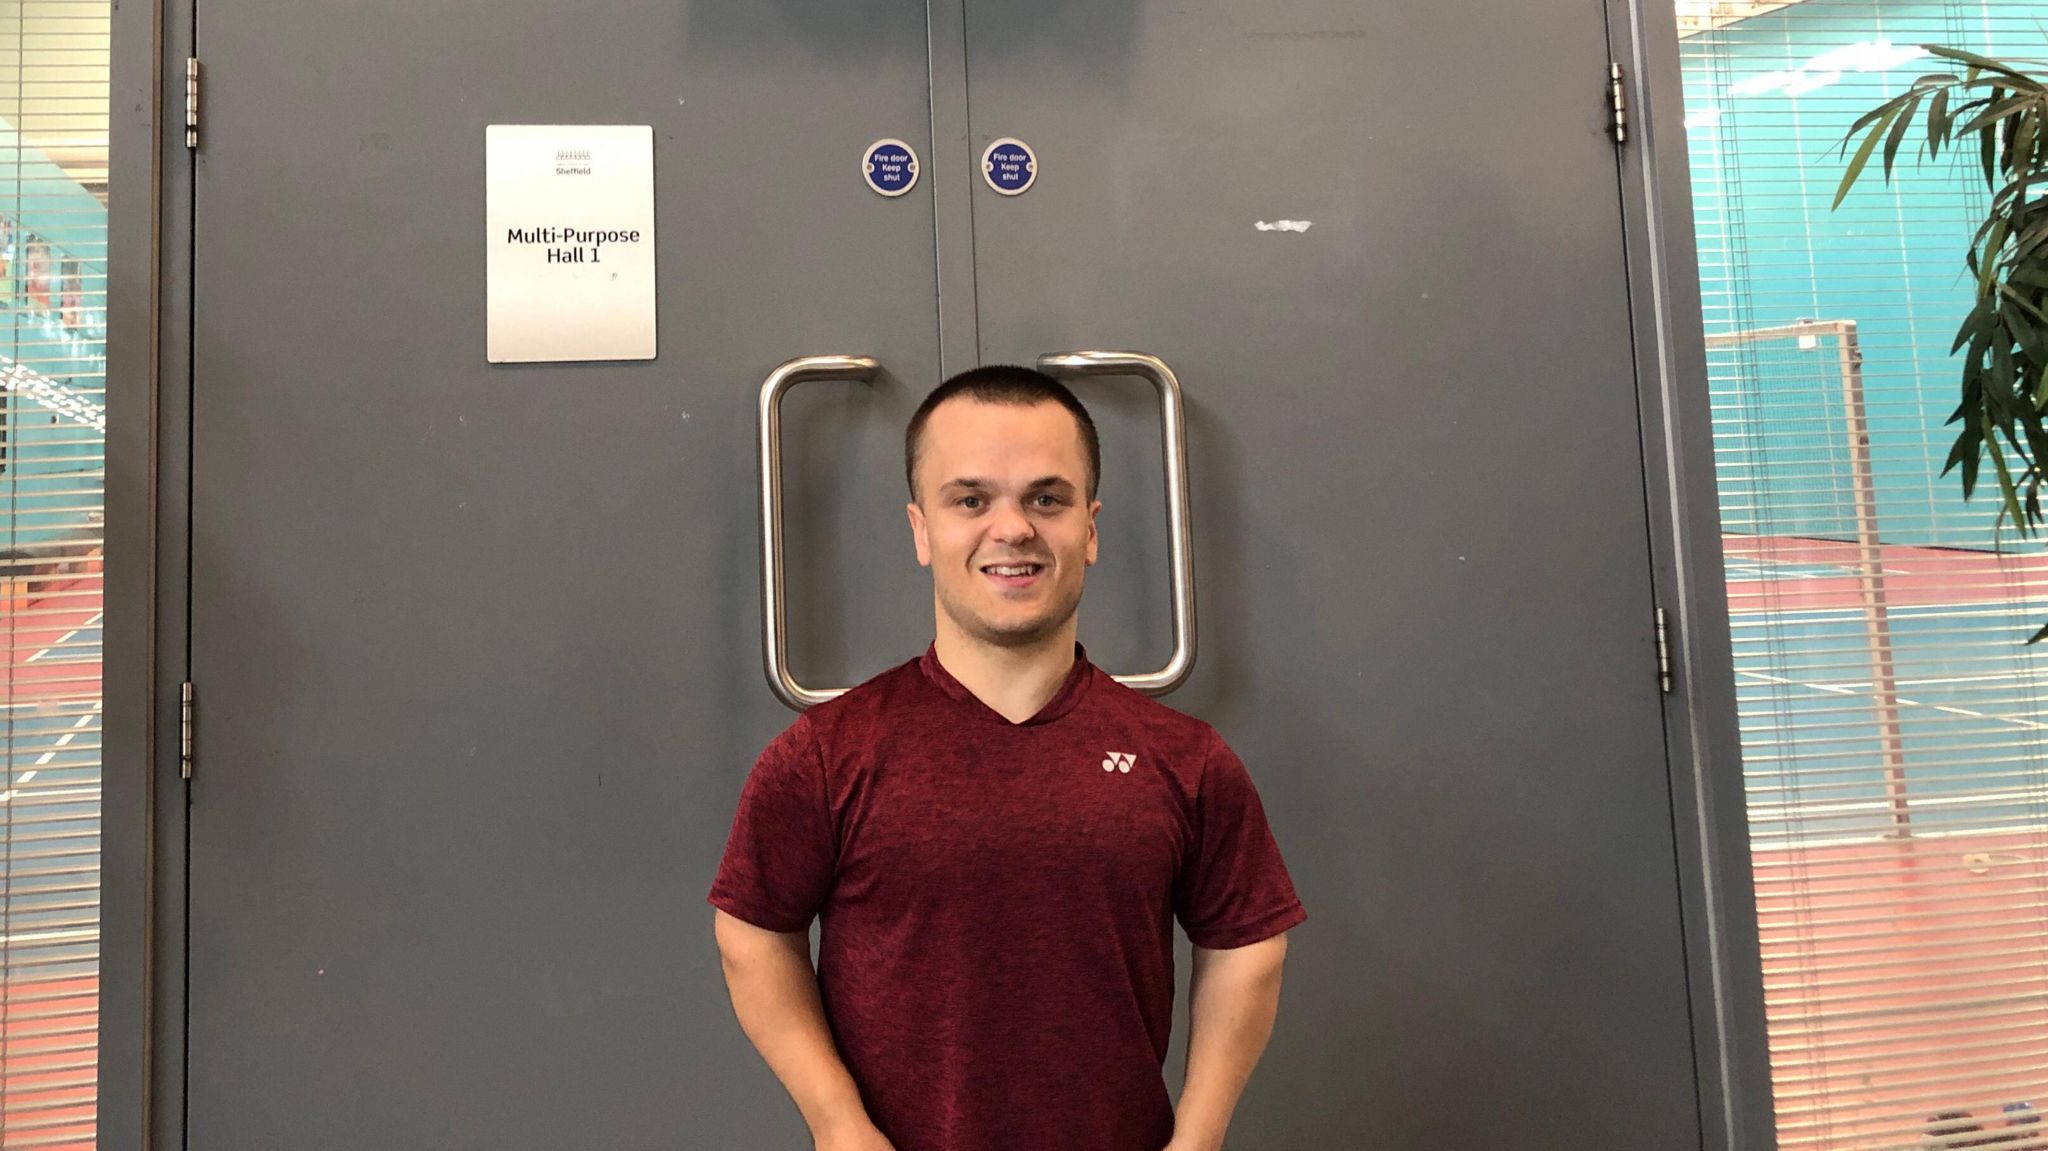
(998, 899)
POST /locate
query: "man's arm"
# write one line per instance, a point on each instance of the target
(775, 994)
(1234, 996)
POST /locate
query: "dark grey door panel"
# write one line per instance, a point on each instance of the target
(1422, 559)
(478, 647)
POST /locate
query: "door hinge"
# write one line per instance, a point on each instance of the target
(1617, 98)
(185, 731)
(1663, 651)
(192, 101)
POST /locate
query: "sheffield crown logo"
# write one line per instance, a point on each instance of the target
(1119, 761)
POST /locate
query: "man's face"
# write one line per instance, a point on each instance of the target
(1003, 517)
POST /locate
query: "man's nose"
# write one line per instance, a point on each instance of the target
(1011, 524)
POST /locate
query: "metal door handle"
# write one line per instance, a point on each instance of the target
(774, 625)
(1180, 546)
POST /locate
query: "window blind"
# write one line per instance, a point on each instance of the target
(53, 173)
(1891, 722)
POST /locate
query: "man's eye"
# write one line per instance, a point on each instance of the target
(1046, 501)
(970, 502)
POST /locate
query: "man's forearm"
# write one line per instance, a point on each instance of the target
(775, 995)
(1234, 999)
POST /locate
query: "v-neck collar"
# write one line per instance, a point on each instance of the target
(1063, 701)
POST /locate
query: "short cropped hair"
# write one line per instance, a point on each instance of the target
(1002, 384)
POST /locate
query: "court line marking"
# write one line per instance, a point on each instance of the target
(1987, 678)
(2024, 724)
(66, 638)
(80, 933)
(1977, 610)
(29, 775)
(91, 789)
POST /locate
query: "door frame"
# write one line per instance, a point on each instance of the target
(146, 661)
(1724, 964)
(141, 1022)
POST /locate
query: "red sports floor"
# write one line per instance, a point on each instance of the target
(49, 1027)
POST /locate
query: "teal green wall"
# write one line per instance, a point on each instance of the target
(1765, 167)
(56, 464)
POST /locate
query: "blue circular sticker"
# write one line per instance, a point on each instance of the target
(1009, 166)
(889, 167)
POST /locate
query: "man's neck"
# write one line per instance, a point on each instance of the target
(1016, 682)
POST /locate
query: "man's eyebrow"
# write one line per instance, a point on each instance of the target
(976, 483)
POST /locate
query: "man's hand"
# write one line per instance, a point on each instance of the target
(859, 1137)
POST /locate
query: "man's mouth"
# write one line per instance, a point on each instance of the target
(1013, 575)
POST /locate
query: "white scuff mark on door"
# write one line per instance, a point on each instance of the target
(1285, 225)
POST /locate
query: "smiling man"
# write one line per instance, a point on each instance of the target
(997, 839)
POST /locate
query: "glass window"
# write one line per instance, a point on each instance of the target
(53, 260)
(1891, 719)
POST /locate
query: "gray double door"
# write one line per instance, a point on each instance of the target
(477, 646)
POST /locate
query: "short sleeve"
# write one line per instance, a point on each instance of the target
(779, 861)
(1233, 888)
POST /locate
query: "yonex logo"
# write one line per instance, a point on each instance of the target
(1119, 761)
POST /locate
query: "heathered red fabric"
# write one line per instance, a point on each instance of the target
(996, 943)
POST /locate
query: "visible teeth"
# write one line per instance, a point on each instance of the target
(1014, 570)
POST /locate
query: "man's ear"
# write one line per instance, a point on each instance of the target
(1094, 509)
(923, 541)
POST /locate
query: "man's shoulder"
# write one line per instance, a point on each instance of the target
(1142, 713)
(872, 699)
